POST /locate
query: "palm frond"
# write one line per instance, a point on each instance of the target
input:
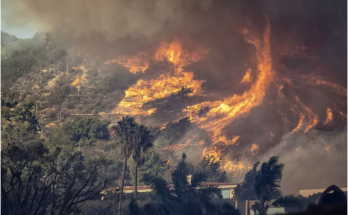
(289, 201)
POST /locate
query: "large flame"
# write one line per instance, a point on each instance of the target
(222, 113)
(137, 63)
(166, 84)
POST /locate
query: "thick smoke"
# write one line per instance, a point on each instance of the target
(314, 160)
(126, 26)
(129, 26)
(307, 38)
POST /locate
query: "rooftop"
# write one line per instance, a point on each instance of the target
(144, 189)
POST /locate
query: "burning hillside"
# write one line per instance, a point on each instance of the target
(266, 89)
(229, 79)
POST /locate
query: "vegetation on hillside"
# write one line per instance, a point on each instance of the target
(64, 153)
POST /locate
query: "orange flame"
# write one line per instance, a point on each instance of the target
(176, 146)
(165, 85)
(317, 80)
(80, 78)
(134, 64)
(247, 77)
(254, 149)
(222, 113)
(299, 124)
(76, 81)
(310, 126)
(329, 116)
(234, 167)
(227, 165)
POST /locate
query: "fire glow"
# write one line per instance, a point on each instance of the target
(222, 112)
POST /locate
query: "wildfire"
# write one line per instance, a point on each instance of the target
(247, 77)
(174, 53)
(76, 81)
(213, 152)
(138, 63)
(226, 141)
(317, 80)
(80, 78)
(329, 116)
(234, 167)
(165, 85)
(312, 125)
(305, 113)
(217, 114)
(176, 146)
(221, 113)
(254, 149)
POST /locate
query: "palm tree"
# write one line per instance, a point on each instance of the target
(141, 143)
(267, 187)
(183, 196)
(125, 132)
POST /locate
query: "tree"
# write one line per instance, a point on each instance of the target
(39, 180)
(153, 166)
(246, 190)
(212, 169)
(18, 122)
(184, 196)
(142, 141)
(35, 180)
(124, 132)
(80, 132)
(267, 187)
(306, 201)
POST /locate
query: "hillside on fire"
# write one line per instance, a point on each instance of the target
(182, 99)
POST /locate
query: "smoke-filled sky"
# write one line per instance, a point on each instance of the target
(306, 80)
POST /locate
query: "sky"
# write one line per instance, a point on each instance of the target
(26, 30)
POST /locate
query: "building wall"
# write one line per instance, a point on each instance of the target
(271, 211)
(225, 194)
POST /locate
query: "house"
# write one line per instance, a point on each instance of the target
(227, 189)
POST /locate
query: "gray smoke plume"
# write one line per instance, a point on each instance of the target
(314, 160)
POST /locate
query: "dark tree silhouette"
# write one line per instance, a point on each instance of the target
(141, 143)
(183, 196)
(35, 180)
(125, 132)
(267, 187)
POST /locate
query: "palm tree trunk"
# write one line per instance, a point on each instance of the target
(122, 184)
(136, 180)
(262, 207)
